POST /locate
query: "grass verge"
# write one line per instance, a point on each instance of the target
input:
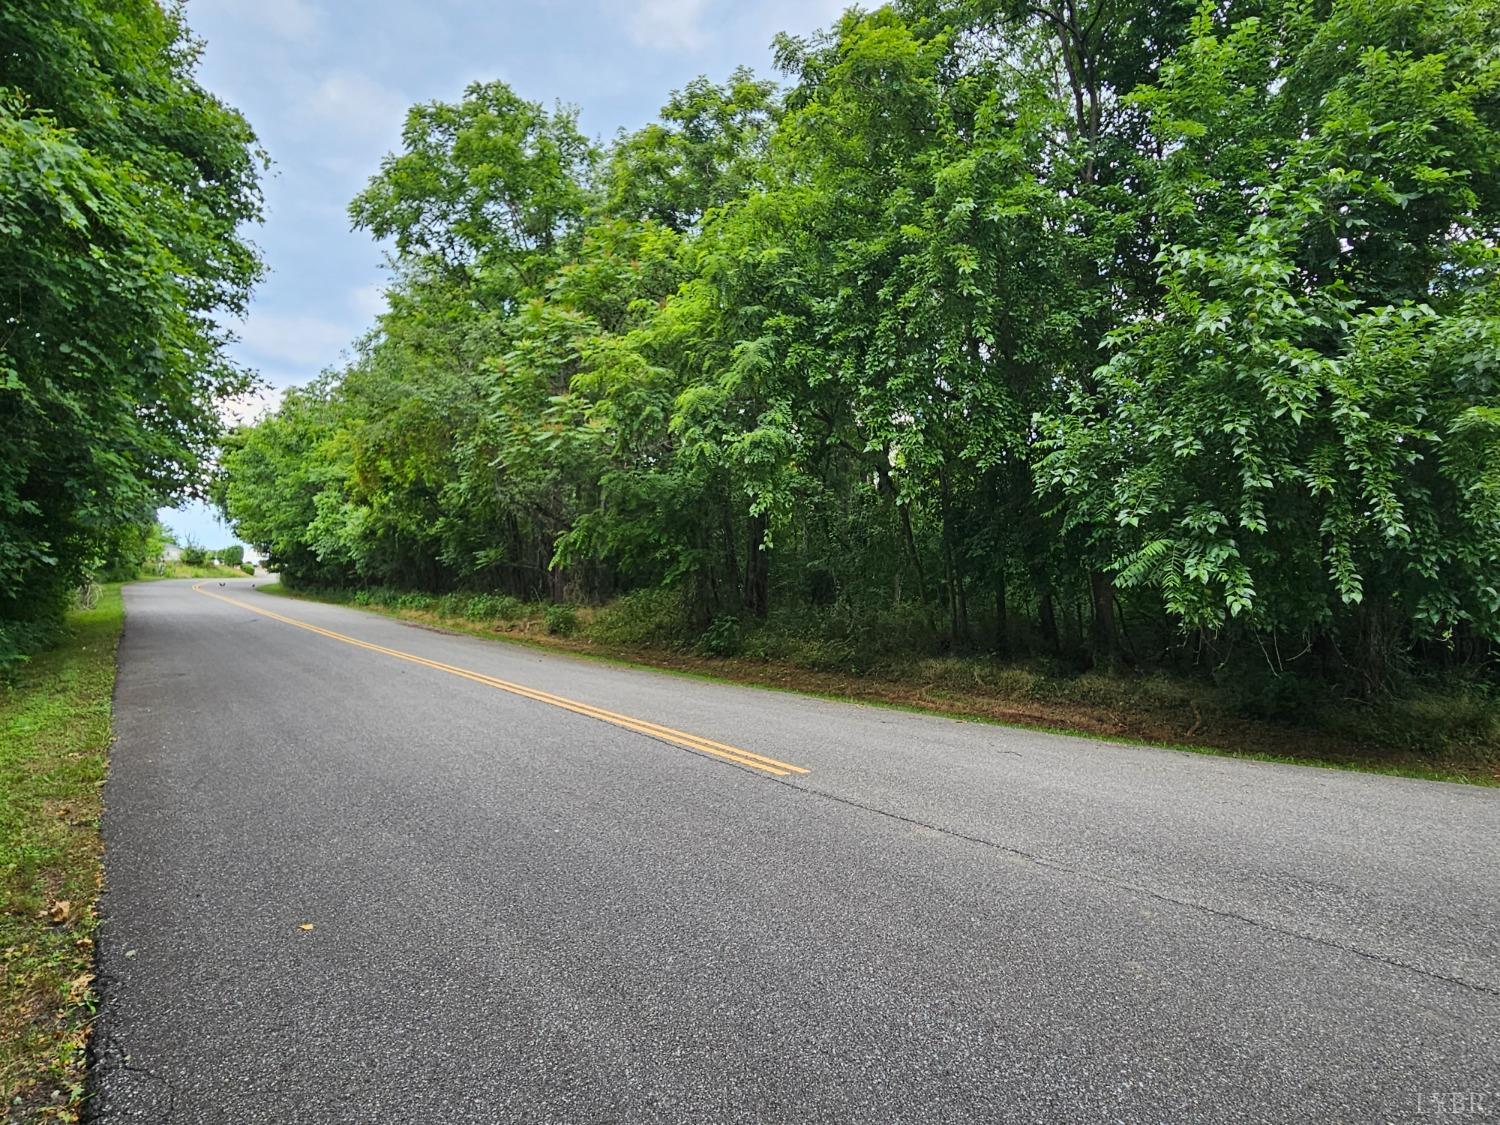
(54, 736)
(1430, 736)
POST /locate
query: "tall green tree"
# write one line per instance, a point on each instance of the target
(124, 187)
(1302, 441)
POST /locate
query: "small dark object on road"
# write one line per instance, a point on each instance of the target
(221, 583)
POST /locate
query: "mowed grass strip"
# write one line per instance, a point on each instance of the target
(54, 738)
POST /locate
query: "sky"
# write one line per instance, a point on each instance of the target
(326, 85)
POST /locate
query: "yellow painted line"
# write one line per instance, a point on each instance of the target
(735, 754)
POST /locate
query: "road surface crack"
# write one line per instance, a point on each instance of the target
(107, 1054)
(1136, 888)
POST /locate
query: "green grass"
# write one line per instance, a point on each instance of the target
(1432, 736)
(54, 736)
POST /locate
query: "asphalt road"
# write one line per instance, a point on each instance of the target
(526, 913)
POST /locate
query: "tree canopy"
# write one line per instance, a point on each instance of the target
(124, 187)
(1147, 332)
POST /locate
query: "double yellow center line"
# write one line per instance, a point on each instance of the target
(640, 726)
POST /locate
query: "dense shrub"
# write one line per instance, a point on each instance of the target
(560, 620)
(723, 637)
(645, 617)
(492, 607)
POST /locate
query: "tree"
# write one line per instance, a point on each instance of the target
(489, 185)
(123, 190)
(1001, 325)
(708, 149)
(1302, 440)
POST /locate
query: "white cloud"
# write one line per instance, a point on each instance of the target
(354, 107)
(688, 26)
(307, 343)
(670, 25)
(294, 20)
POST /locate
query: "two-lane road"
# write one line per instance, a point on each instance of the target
(549, 890)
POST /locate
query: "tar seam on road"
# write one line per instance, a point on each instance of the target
(677, 738)
(1147, 892)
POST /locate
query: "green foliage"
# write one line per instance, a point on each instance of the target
(127, 549)
(708, 149)
(248, 568)
(1119, 332)
(722, 637)
(492, 607)
(651, 617)
(194, 554)
(494, 181)
(560, 620)
(231, 556)
(123, 190)
(1292, 437)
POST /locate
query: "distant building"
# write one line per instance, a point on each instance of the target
(171, 553)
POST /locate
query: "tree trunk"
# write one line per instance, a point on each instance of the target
(950, 582)
(1002, 634)
(1048, 615)
(731, 563)
(1379, 642)
(1104, 636)
(916, 561)
(958, 606)
(757, 568)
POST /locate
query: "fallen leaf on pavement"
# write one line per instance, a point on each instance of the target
(305, 926)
